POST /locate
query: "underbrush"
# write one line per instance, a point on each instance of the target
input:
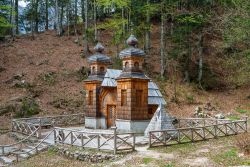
(243, 142)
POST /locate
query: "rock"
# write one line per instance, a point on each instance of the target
(198, 109)
(18, 76)
(209, 107)
(220, 116)
(21, 84)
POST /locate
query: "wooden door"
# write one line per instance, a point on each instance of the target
(111, 115)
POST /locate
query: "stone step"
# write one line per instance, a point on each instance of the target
(29, 151)
(2, 164)
(8, 150)
(7, 159)
(23, 156)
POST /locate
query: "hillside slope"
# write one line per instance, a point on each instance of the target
(49, 70)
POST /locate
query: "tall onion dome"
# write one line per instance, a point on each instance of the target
(132, 59)
(98, 63)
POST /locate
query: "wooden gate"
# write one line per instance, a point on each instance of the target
(111, 115)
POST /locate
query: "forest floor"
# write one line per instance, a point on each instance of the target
(47, 69)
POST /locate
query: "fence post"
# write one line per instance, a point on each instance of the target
(133, 141)
(114, 128)
(203, 132)
(179, 136)
(17, 158)
(54, 135)
(215, 128)
(3, 150)
(82, 140)
(246, 119)
(149, 139)
(98, 142)
(236, 129)
(71, 138)
(164, 137)
(192, 134)
(40, 129)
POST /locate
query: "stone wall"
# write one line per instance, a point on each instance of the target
(84, 155)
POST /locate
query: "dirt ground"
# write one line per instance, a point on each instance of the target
(220, 152)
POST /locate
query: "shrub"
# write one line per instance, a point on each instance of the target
(243, 142)
(28, 108)
(190, 99)
(49, 78)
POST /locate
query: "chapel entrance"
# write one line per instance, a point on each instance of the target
(111, 115)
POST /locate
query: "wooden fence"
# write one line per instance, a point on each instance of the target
(29, 125)
(111, 141)
(196, 130)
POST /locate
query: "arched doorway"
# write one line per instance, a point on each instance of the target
(109, 107)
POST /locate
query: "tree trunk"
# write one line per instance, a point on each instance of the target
(95, 20)
(11, 19)
(32, 20)
(36, 19)
(186, 72)
(58, 31)
(123, 24)
(61, 19)
(200, 53)
(16, 16)
(147, 33)
(75, 15)
(47, 15)
(86, 48)
(162, 46)
(68, 28)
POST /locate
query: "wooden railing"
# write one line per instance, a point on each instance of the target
(35, 148)
(201, 130)
(17, 144)
(26, 128)
(29, 125)
(112, 141)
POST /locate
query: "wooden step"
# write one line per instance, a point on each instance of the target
(7, 159)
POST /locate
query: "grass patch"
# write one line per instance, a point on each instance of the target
(230, 157)
(242, 111)
(52, 151)
(147, 160)
(233, 117)
(180, 148)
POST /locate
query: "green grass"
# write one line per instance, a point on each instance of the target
(233, 117)
(147, 160)
(184, 148)
(242, 111)
(169, 165)
(230, 157)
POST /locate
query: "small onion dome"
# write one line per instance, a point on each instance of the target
(132, 50)
(99, 48)
(99, 57)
